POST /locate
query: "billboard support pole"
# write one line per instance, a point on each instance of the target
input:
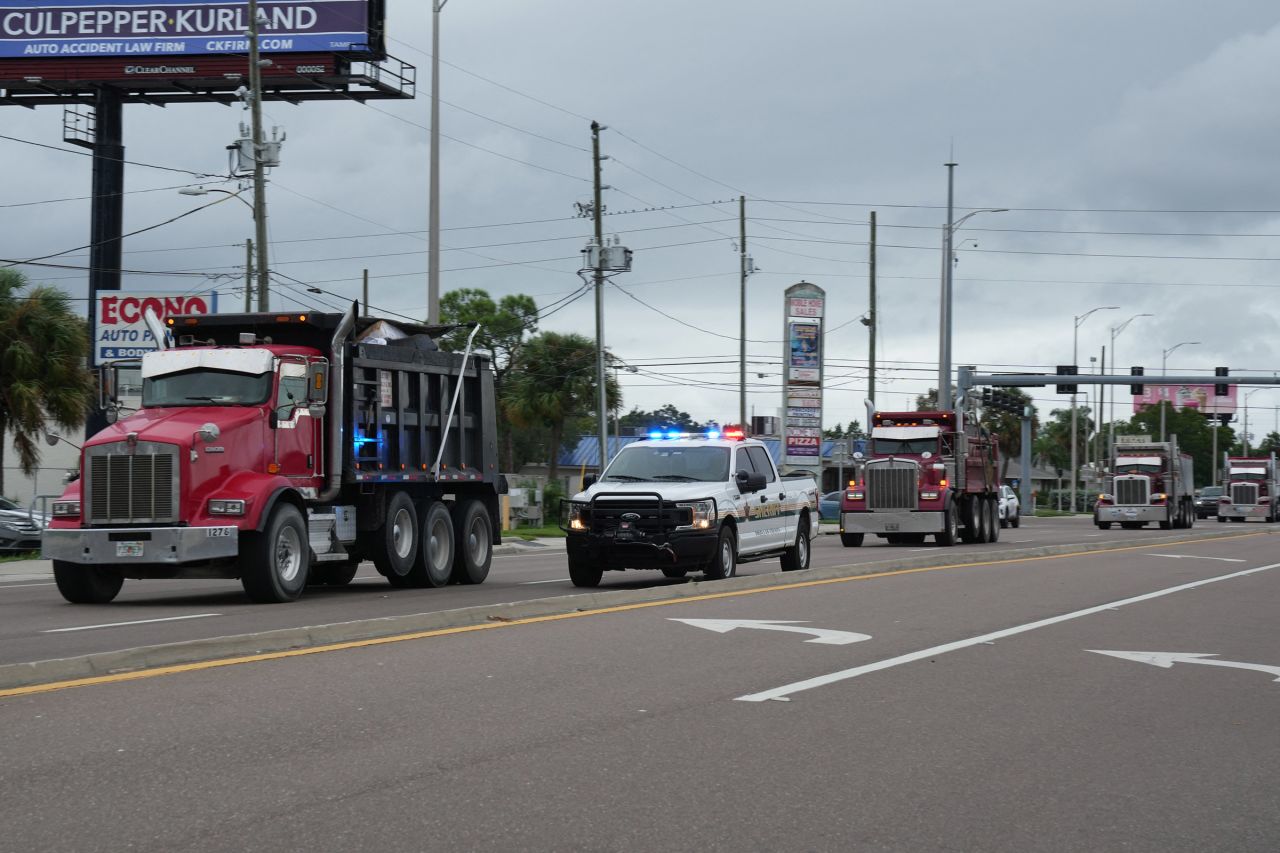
(259, 170)
(106, 216)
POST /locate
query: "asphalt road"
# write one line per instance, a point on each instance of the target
(36, 624)
(972, 711)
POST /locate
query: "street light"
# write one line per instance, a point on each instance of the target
(948, 233)
(1164, 358)
(1075, 439)
(1244, 437)
(433, 201)
(1115, 333)
(248, 243)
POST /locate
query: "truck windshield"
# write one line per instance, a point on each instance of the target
(691, 464)
(1247, 476)
(205, 387)
(903, 446)
(1137, 469)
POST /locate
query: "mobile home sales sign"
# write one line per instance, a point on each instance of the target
(84, 28)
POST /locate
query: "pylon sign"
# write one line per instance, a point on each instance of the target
(804, 307)
(121, 331)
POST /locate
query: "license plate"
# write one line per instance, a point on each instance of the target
(891, 527)
(1131, 513)
(218, 532)
(128, 549)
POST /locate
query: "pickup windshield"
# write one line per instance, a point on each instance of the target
(903, 446)
(205, 387)
(690, 464)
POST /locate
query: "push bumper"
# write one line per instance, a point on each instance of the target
(685, 550)
(140, 545)
(905, 521)
(1133, 513)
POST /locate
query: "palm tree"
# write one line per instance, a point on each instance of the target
(43, 349)
(553, 380)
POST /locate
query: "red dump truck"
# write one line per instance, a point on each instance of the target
(282, 449)
(925, 473)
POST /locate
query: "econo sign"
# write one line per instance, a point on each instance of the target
(120, 331)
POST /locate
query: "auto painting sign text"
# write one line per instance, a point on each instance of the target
(120, 330)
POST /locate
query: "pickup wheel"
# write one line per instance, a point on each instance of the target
(583, 573)
(86, 584)
(724, 563)
(277, 560)
(472, 541)
(395, 544)
(951, 529)
(675, 571)
(1017, 518)
(796, 558)
(851, 540)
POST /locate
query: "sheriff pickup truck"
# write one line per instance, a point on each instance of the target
(683, 502)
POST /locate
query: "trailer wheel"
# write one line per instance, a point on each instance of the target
(796, 558)
(395, 544)
(724, 563)
(583, 573)
(433, 563)
(950, 531)
(472, 542)
(851, 540)
(86, 584)
(277, 560)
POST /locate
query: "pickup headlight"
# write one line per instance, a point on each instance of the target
(66, 509)
(573, 516)
(224, 507)
(704, 515)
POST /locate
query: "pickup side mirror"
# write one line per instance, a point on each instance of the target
(589, 480)
(749, 482)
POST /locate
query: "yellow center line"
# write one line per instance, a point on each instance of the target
(155, 672)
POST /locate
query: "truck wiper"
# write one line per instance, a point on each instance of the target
(626, 477)
(207, 399)
(681, 478)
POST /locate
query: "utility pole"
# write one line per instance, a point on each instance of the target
(871, 315)
(944, 363)
(742, 300)
(259, 171)
(248, 275)
(433, 204)
(598, 213)
(366, 293)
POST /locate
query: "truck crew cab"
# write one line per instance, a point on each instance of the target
(680, 502)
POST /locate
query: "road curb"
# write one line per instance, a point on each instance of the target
(242, 645)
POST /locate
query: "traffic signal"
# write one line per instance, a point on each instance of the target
(1135, 390)
(1067, 370)
(988, 395)
(1221, 389)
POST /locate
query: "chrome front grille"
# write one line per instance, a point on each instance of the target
(892, 485)
(1133, 491)
(1244, 493)
(132, 485)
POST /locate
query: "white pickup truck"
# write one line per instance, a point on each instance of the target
(683, 503)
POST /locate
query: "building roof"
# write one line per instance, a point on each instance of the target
(587, 451)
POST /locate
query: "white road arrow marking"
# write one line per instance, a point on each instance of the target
(1168, 659)
(1197, 557)
(824, 636)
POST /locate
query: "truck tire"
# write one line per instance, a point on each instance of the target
(1166, 523)
(472, 542)
(277, 560)
(395, 544)
(851, 540)
(433, 563)
(86, 584)
(675, 572)
(993, 516)
(970, 518)
(796, 558)
(333, 574)
(724, 563)
(1222, 519)
(1103, 525)
(982, 526)
(950, 530)
(583, 573)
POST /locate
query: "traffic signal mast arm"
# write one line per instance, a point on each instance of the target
(967, 378)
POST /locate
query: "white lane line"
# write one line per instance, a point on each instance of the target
(1199, 557)
(553, 580)
(781, 693)
(122, 624)
(22, 585)
(1017, 541)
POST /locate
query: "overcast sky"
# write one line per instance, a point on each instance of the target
(1134, 143)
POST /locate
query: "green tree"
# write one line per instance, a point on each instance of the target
(504, 326)
(552, 381)
(666, 417)
(853, 430)
(1270, 444)
(43, 348)
(1053, 441)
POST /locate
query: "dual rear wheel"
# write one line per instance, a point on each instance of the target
(431, 545)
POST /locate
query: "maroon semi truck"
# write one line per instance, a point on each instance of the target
(1250, 486)
(283, 449)
(925, 473)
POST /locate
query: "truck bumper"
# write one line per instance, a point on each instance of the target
(1133, 513)
(904, 521)
(1243, 511)
(140, 545)
(688, 550)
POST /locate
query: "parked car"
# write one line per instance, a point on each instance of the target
(1010, 508)
(1207, 501)
(20, 529)
(829, 506)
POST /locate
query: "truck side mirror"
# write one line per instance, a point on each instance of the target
(108, 392)
(273, 419)
(318, 382)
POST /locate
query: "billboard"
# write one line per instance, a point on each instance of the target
(804, 362)
(119, 330)
(1199, 397)
(32, 29)
(803, 309)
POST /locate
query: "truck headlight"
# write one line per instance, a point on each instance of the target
(225, 507)
(66, 509)
(575, 511)
(703, 515)
(928, 496)
(854, 496)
